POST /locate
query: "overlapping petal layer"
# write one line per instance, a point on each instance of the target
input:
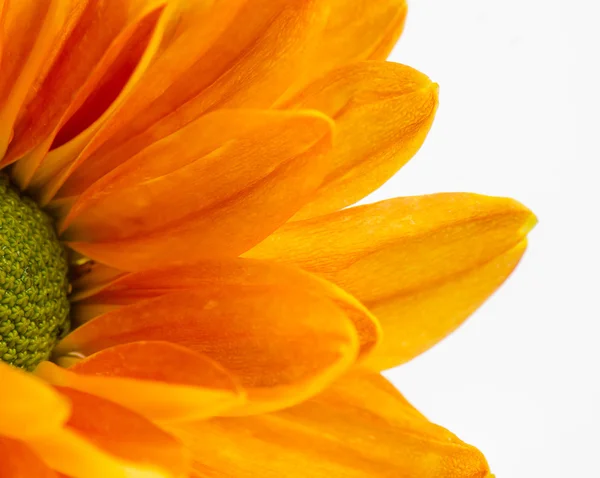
(382, 112)
(162, 381)
(100, 45)
(355, 31)
(130, 288)
(216, 187)
(103, 439)
(130, 120)
(44, 428)
(20, 461)
(249, 62)
(422, 264)
(24, 55)
(359, 30)
(282, 342)
(30, 401)
(361, 427)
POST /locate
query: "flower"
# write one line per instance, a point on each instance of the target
(229, 315)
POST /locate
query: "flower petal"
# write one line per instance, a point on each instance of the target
(147, 284)
(25, 52)
(231, 174)
(29, 400)
(389, 254)
(382, 112)
(229, 67)
(282, 344)
(19, 461)
(361, 427)
(163, 381)
(414, 322)
(104, 440)
(100, 50)
(356, 31)
(90, 275)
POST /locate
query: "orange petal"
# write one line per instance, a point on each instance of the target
(89, 275)
(356, 31)
(100, 53)
(390, 253)
(25, 52)
(216, 187)
(383, 112)
(104, 440)
(233, 67)
(172, 37)
(361, 427)
(19, 461)
(137, 286)
(282, 344)
(416, 321)
(28, 400)
(162, 381)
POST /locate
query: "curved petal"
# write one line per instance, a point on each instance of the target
(282, 344)
(356, 31)
(102, 46)
(163, 381)
(361, 427)
(26, 51)
(383, 112)
(104, 440)
(388, 254)
(19, 461)
(147, 284)
(29, 400)
(234, 67)
(416, 321)
(215, 188)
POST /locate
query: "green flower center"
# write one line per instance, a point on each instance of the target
(34, 307)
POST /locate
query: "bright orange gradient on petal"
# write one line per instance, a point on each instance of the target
(455, 251)
(361, 427)
(229, 309)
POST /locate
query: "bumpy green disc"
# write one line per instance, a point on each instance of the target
(34, 308)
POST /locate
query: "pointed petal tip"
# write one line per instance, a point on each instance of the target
(528, 219)
(529, 223)
(383, 112)
(361, 405)
(422, 265)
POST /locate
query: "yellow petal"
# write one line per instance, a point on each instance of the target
(416, 321)
(19, 461)
(282, 344)
(28, 400)
(105, 440)
(356, 31)
(389, 253)
(137, 286)
(361, 427)
(159, 380)
(382, 112)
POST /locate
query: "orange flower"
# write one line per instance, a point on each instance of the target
(227, 317)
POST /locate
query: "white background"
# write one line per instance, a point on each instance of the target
(519, 108)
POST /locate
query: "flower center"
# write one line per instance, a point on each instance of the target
(34, 307)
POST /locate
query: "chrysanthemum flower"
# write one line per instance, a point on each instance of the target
(183, 290)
